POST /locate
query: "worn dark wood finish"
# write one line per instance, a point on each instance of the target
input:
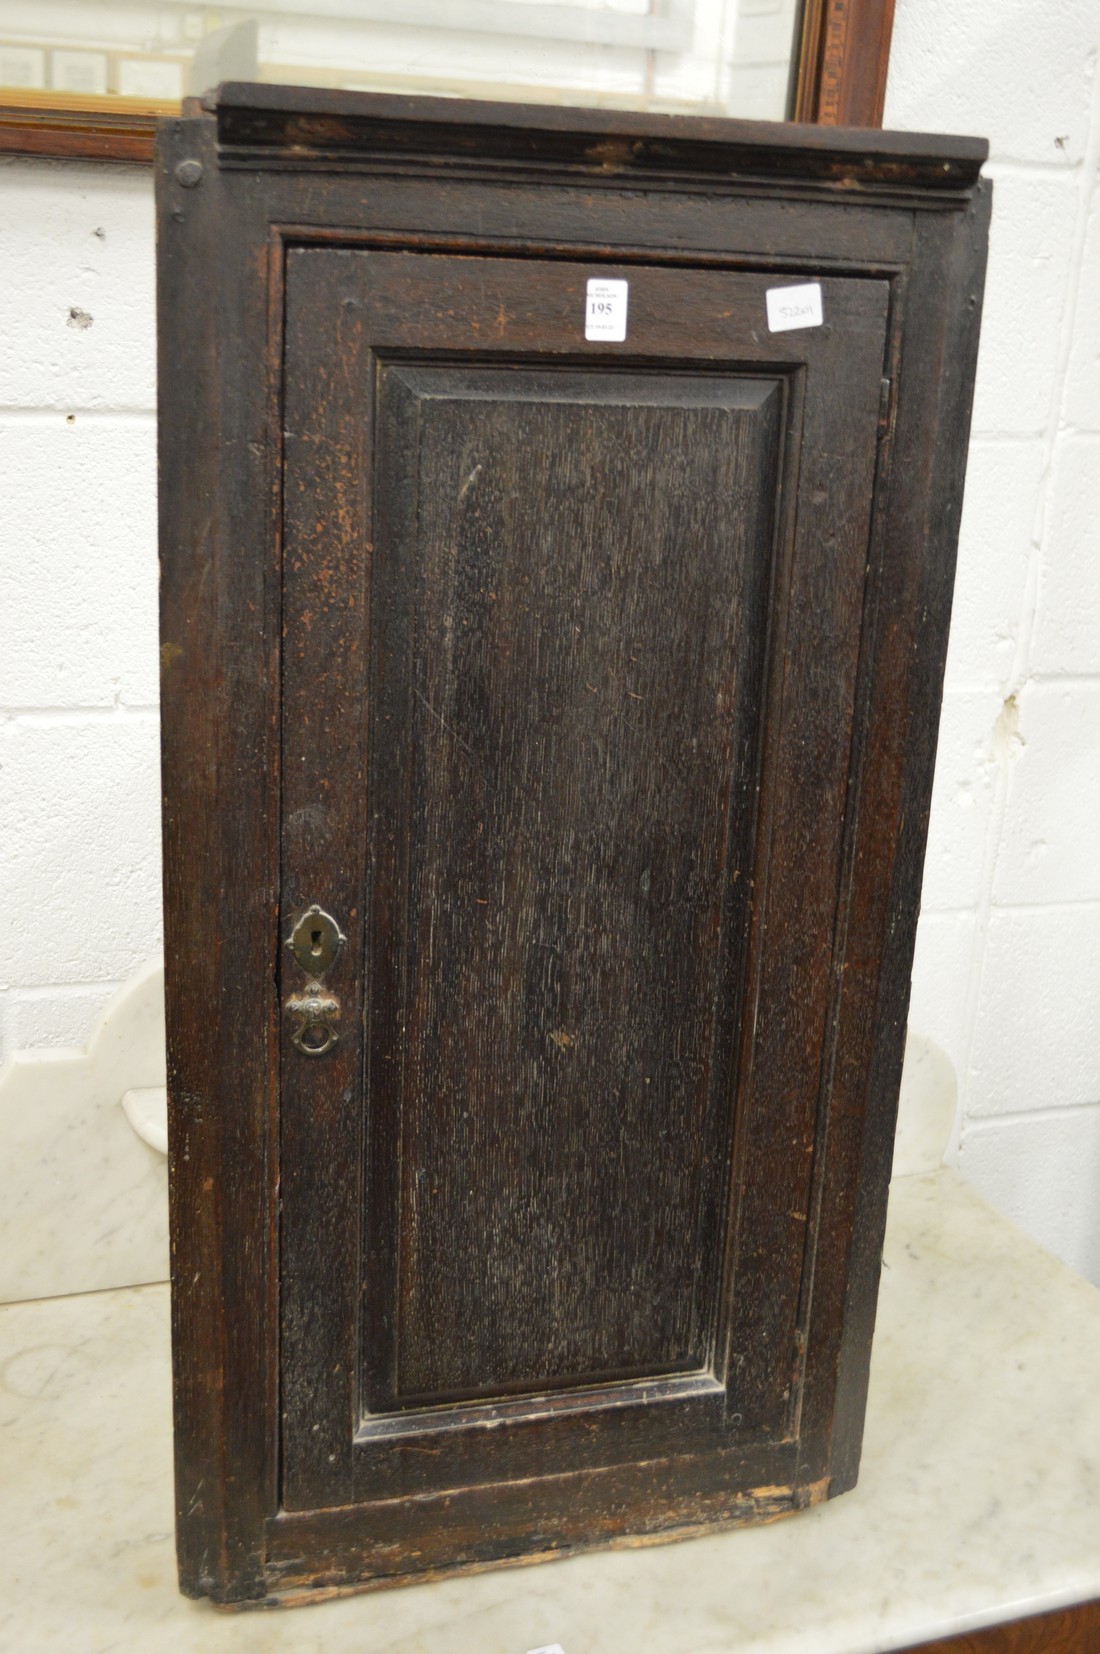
(530, 549)
(1074, 1630)
(843, 55)
(590, 774)
(593, 688)
(259, 125)
(219, 750)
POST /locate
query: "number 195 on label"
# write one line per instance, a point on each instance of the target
(605, 310)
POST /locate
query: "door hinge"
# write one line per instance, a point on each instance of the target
(887, 404)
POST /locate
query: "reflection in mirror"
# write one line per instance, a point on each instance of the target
(729, 57)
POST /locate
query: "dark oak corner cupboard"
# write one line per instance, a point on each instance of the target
(553, 633)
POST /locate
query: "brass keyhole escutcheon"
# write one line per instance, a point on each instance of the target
(316, 941)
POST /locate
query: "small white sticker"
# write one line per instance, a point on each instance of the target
(794, 307)
(551, 1648)
(604, 318)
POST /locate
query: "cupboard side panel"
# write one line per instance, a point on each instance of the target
(906, 654)
(219, 645)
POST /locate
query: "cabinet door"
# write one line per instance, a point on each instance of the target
(571, 632)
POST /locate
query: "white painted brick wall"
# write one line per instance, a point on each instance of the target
(1007, 977)
(1007, 974)
(77, 238)
(79, 787)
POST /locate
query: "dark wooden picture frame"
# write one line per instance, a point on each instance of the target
(843, 58)
(839, 70)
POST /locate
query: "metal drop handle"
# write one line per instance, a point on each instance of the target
(315, 1012)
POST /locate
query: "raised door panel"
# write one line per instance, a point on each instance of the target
(573, 569)
(571, 634)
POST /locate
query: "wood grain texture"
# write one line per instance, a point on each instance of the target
(593, 689)
(313, 128)
(843, 57)
(219, 752)
(324, 817)
(1074, 1630)
(571, 814)
(502, 306)
(908, 608)
(122, 129)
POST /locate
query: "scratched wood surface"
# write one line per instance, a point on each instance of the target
(593, 689)
(572, 599)
(579, 592)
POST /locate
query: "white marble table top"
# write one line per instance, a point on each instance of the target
(979, 1497)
